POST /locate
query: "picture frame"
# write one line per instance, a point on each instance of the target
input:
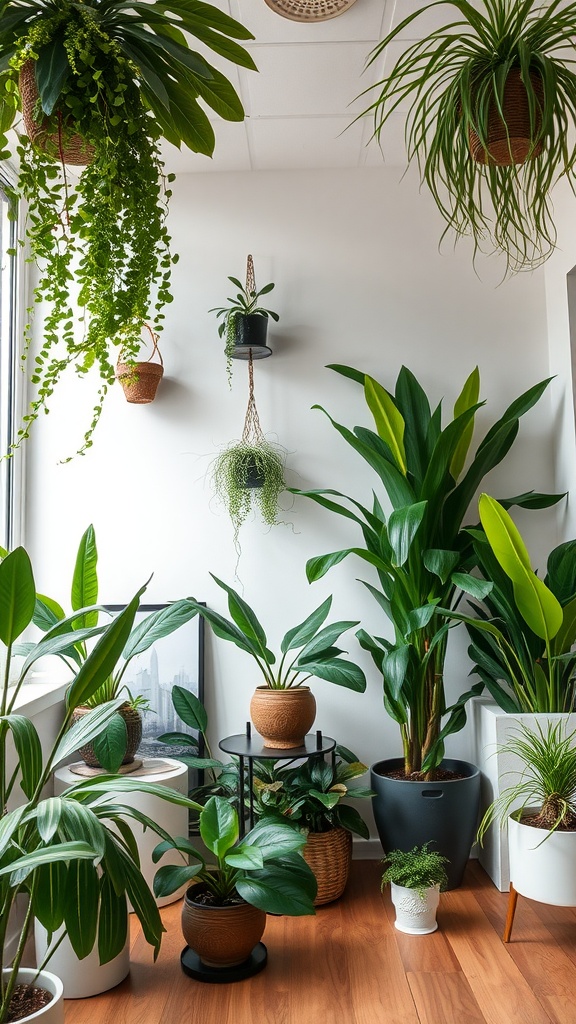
(177, 659)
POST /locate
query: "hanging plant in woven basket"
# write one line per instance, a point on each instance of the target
(249, 474)
(140, 380)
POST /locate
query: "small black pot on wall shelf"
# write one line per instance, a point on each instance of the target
(245, 324)
(250, 333)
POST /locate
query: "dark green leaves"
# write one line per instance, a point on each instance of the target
(17, 595)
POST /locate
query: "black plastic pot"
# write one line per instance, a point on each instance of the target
(443, 813)
(251, 330)
(254, 476)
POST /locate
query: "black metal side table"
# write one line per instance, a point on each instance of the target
(248, 748)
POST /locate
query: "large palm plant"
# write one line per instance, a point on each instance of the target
(455, 81)
(420, 550)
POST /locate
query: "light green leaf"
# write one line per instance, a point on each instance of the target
(389, 421)
(466, 399)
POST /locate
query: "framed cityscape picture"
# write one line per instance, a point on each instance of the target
(177, 659)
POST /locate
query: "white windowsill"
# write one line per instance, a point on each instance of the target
(39, 694)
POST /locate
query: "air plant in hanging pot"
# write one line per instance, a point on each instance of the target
(250, 472)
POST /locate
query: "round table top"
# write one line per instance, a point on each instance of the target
(153, 768)
(253, 746)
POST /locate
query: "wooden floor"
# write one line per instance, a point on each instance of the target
(349, 965)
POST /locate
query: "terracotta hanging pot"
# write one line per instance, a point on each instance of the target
(283, 717)
(510, 138)
(140, 380)
(65, 144)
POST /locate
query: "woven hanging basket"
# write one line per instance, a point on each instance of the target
(309, 10)
(66, 145)
(140, 380)
(329, 855)
(510, 140)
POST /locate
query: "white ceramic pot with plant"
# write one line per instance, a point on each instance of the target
(415, 878)
(53, 1011)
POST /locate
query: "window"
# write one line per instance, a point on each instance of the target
(9, 527)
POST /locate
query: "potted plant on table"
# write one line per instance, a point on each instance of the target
(113, 79)
(283, 709)
(416, 877)
(74, 856)
(224, 912)
(118, 742)
(423, 557)
(311, 796)
(542, 830)
(491, 97)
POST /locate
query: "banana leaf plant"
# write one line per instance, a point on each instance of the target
(421, 552)
(306, 650)
(74, 856)
(110, 745)
(523, 636)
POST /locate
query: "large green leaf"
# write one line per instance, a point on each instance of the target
(17, 595)
(22, 867)
(102, 660)
(110, 744)
(341, 672)
(274, 838)
(219, 826)
(412, 402)
(319, 566)
(225, 629)
(403, 526)
(52, 70)
(440, 562)
(112, 922)
(244, 617)
(171, 877)
(84, 731)
(536, 603)
(389, 421)
(82, 905)
(189, 708)
(50, 895)
(28, 750)
(277, 890)
(159, 624)
(467, 399)
(85, 579)
(303, 633)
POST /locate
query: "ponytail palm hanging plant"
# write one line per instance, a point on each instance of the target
(120, 76)
(464, 85)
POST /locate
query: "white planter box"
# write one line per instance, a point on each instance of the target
(493, 728)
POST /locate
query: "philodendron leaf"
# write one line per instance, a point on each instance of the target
(110, 745)
(536, 603)
(219, 826)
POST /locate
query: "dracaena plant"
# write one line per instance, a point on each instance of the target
(120, 76)
(306, 650)
(420, 550)
(74, 856)
(525, 628)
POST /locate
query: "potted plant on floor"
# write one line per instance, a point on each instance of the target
(311, 796)
(244, 322)
(283, 709)
(542, 831)
(416, 877)
(224, 912)
(73, 857)
(112, 79)
(490, 100)
(117, 744)
(423, 558)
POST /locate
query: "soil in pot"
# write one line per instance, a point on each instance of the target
(26, 1000)
(37, 997)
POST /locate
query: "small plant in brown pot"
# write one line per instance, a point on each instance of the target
(283, 709)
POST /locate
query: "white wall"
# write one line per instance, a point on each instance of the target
(359, 280)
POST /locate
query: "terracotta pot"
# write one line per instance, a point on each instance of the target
(133, 720)
(283, 717)
(139, 381)
(221, 936)
(329, 855)
(510, 141)
(53, 1012)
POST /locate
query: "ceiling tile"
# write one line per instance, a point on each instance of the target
(429, 19)
(230, 154)
(306, 79)
(292, 143)
(363, 21)
(390, 150)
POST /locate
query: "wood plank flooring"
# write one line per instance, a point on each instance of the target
(349, 965)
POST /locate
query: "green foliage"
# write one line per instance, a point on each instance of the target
(422, 554)
(451, 80)
(311, 794)
(420, 869)
(547, 781)
(240, 461)
(246, 303)
(121, 77)
(525, 628)
(314, 643)
(78, 842)
(265, 867)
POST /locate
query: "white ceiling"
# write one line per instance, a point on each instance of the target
(301, 104)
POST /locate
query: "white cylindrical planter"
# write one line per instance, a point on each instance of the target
(543, 864)
(53, 1012)
(81, 978)
(415, 915)
(171, 817)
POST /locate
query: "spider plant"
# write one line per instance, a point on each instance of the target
(453, 81)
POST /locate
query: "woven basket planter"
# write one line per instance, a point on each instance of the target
(510, 141)
(329, 855)
(66, 145)
(283, 717)
(133, 720)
